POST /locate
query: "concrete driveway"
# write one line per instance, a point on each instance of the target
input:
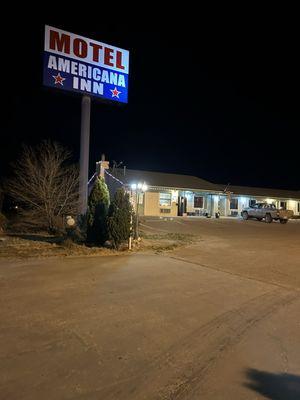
(217, 320)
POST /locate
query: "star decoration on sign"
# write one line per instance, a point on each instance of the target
(59, 79)
(115, 92)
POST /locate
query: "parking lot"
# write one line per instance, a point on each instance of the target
(217, 319)
(253, 249)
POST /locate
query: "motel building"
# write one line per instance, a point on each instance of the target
(172, 195)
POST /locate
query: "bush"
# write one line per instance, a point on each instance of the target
(119, 216)
(98, 204)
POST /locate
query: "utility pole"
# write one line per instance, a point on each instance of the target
(84, 153)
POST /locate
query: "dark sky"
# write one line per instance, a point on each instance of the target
(208, 96)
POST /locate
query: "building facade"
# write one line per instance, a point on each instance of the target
(172, 195)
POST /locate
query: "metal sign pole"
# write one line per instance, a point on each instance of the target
(84, 153)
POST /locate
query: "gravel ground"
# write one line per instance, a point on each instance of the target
(216, 318)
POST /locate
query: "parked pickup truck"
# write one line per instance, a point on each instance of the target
(268, 212)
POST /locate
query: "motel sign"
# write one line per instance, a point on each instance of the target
(78, 64)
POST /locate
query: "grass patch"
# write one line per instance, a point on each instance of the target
(160, 242)
(182, 237)
(23, 247)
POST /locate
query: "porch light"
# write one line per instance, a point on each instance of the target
(140, 187)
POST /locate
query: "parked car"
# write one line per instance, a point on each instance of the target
(268, 212)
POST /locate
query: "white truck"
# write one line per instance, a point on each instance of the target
(268, 212)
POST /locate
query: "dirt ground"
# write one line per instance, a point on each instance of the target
(42, 245)
(216, 317)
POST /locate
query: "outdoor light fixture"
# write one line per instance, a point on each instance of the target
(142, 187)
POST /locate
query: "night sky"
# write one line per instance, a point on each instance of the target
(212, 98)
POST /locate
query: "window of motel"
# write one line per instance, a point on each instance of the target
(298, 206)
(282, 205)
(234, 204)
(252, 202)
(198, 201)
(165, 199)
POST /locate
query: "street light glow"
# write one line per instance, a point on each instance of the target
(140, 186)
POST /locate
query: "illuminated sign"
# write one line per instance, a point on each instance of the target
(78, 64)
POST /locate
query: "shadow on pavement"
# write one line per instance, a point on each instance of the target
(274, 386)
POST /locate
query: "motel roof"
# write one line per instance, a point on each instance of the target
(161, 179)
(188, 182)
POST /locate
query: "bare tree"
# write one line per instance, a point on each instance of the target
(45, 185)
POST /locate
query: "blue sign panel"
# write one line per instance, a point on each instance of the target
(78, 64)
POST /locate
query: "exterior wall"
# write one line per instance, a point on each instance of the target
(214, 204)
(140, 204)
(298, 208)
(243, 202)
(207, 203)
(222, 206)
(151, 203)
(211, 203)
(190, 202)
(197, 210)
(233, 212)
(153, 208)
(293, 205)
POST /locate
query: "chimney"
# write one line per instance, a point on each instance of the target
(101, 166)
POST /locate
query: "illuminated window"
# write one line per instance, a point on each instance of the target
(165, 199)
(198, 202)
(234, 204)
(283, 205)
